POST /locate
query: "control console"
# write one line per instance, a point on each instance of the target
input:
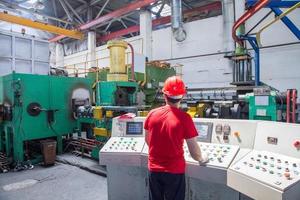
(122, 151)
(268, 175)
(220, 156)
(215, 170)
(272, 169)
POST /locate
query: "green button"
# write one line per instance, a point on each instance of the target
(257, 167)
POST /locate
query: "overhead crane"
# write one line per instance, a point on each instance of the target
(4, 16)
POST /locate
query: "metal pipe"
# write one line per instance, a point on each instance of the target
(288, 97)
(259, 5)
(132, 60)
(294, 101)
(177, 21)
(293, 28)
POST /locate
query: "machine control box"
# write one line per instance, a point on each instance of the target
(133, 127)
(215, 171)
(122, 150)
(219, 155)
(231, 132)
(266, 171)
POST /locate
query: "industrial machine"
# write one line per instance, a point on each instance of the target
(36, 107)
(149, 83)
(117, 92)
(254, 103)
(114, 95)
(272, 160)
(265, 104)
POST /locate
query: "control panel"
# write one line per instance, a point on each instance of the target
(282, 138)
(276, 170)
(270, 172)
(272, 169)
(234, 132)
(133, 127)
(122, 150)
(219, 155)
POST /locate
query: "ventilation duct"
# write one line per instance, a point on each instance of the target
(177, 21)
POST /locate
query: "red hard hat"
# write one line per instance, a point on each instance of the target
(174, 87)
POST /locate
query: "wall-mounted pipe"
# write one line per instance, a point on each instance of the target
(294, 105)
(177, 21)
(288, 106)
(132, 60)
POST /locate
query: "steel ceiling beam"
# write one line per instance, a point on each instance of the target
(102, 9)
(110, 16)
(17, 7)
(63, 5)
(83, 8)
(159, 21)
(186, 5)
(74, 11)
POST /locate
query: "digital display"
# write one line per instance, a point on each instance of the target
(134, 128)
(204, 131)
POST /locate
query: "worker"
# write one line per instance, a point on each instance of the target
(166, 129)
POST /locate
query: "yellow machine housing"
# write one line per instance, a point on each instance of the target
(117, 71)
(101, 132)
(98, 113)
(197, 111)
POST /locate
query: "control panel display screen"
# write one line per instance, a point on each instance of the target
(134, 128)
(204, 131)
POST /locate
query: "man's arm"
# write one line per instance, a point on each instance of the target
(147, 137)
(195, 150)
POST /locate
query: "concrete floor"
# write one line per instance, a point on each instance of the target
(62, 181)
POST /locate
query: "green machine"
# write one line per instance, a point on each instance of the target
(265, 104)
(37, 107)
(114, 95)
(149, 83)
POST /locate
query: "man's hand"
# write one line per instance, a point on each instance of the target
(204, 158)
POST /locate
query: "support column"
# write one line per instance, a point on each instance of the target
(239, 11)
(146, 32)
(91, 58)
(59, 55)
(228, 22)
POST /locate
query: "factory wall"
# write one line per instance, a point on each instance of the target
(202, 53)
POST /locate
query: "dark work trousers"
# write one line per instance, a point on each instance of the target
(166, 186)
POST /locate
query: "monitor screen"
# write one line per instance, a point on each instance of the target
(134, 128)
(204, 131)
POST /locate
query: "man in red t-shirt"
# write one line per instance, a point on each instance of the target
(166, 129)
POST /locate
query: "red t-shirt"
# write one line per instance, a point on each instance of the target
(168, 127)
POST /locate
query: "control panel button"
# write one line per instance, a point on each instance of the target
(219, 129)
(297, 144)
(237, 134)
(287, 175)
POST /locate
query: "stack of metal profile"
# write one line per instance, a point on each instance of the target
(4, 164)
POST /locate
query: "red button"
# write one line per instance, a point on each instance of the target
(297, 144)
